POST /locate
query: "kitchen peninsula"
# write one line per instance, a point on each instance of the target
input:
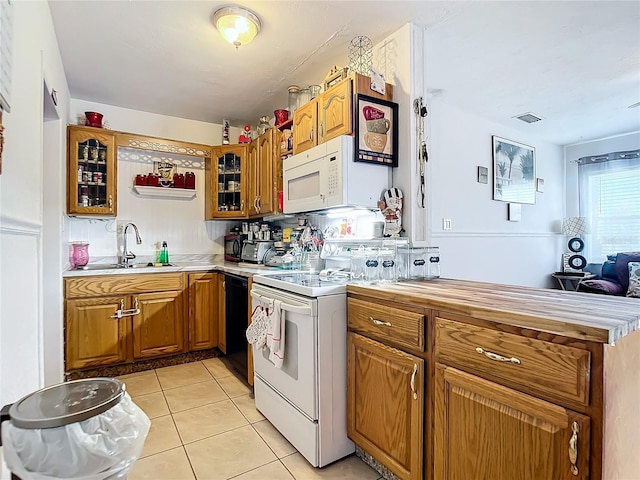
(493, 381)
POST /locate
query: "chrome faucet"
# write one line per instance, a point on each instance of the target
(126, 256)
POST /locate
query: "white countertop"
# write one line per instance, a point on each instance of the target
(210, 264)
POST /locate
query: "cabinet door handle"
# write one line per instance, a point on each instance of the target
(496, 357)
(259, 202)
(573, 448)
(380, 322)
(111, 203)
(311, 135)
(413, 381)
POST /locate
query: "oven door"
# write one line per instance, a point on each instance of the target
(296, 379)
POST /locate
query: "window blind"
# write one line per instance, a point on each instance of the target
(609, 189)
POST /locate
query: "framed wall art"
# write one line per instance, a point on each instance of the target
(376, 131)
(514, 171)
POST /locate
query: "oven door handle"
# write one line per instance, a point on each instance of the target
(265, 301)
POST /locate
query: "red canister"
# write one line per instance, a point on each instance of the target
(141, 179)
(152, 179)
(190, 180)
(178, 180)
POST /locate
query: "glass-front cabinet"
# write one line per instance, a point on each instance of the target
(92, 172)
(227, 181)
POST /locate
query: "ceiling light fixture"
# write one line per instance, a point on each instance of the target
(237, 25)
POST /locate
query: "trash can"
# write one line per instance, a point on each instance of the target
(87, 429)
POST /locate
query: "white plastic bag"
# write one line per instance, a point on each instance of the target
(102, 447)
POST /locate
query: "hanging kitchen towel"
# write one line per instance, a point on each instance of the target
(275, 335)
(257, 331)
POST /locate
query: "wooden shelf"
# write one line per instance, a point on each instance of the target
(166, 192)
(286, 124)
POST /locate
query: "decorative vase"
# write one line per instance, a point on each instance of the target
(80, 254)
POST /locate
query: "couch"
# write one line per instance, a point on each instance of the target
(613, 278)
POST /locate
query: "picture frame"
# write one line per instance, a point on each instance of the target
(376, 131)
(514, 171)
(483, 174)
(165, 169)
(514, 212)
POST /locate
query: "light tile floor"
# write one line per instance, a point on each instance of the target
(204, 426)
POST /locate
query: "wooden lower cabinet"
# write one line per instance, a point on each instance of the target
(115, 319)
(203, 310)
(385, 404)
(93, 338)
(159, 328)
(487, 431)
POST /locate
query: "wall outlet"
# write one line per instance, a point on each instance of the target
(446, 224)
(120, 224)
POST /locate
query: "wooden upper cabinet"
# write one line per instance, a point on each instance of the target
(305, 131)
(334, 111)
(203, 311)
(93, 338)
(331, 114)
(91, 172)
(266, 159)
(227, 183)
(159, 328)
(385, 405)
(485, 430)
(253, 165)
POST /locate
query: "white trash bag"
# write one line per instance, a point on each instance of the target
(104, 446)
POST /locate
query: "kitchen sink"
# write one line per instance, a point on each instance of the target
(115, 266)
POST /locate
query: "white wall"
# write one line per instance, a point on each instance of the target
(179, 222)
(619, 143)
(22, 271)
(483, 244)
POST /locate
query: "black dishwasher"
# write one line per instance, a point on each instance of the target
(236, 321)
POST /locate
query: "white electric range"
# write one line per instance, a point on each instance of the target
(306, 399)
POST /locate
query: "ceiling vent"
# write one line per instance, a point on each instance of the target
(528, 118)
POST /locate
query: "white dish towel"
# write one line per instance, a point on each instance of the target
(275, 334)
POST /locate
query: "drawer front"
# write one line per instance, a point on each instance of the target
(391, 325)
(79, 287)
(559, 371)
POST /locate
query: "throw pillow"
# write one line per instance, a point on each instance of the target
(634, 280)
(622, 267)
(600, 286)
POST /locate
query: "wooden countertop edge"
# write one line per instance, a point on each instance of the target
(425, 294)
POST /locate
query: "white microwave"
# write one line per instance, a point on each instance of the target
(327, 176)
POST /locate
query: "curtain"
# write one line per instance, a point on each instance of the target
(609, 191)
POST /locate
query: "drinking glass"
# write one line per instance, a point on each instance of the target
(433, 262)
(387, 265)
(372, 270)
(358, 266)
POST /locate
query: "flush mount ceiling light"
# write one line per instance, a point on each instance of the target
(237, 25)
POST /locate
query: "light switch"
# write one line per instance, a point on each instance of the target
(446, 224)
